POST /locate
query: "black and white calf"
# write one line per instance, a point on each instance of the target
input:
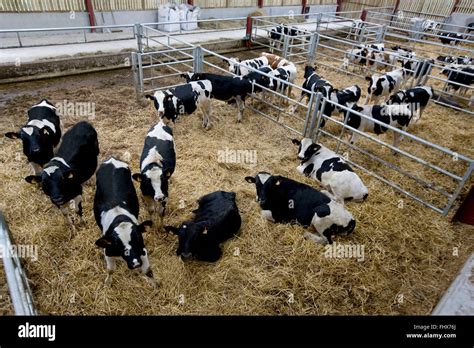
(216, 220)
(40, 135)
(225, 88)
(346, 96)
(460, 77)
(398, 116)
(276, 35)
(286, 73)
(157, 164)
(75, 163)
(324, 165)
(465, 60)
(417, 99)
(314, 82)
(116, 212)
(184, 99)
(355, 30)
(240, 68)
(416, 69)
(288, 201)
(383, 85)
(355, 56)
(451, 38)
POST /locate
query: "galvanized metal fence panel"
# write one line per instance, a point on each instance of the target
(440, 178)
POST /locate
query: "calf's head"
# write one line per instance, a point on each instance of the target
(306, 148)
(125, 240)
(37, 143)
(164, 104)
(260, 180)
(60, 184)
(154, 183)
(191, 236)
(234, 66)
(188, 76)
(309, 70)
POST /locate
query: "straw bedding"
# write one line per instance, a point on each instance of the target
(268, 268)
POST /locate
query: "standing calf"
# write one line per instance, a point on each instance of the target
(241, 68)
(116, 212)
(157, 164)
(216, 220)
(383, 85)
(398, 116)
(324, 165)
(417, 99)
(225, 88)
(40, 135)
(184, 99)
(74, 164)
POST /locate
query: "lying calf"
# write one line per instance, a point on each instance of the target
(324, 165)
(285, 200)
(116, 212)
(74, 164)
(216, 219)
(184, 99)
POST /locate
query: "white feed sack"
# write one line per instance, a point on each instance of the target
(190, 14)
(168, 13)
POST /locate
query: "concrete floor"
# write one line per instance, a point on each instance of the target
(459, 298)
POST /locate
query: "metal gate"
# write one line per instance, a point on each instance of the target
(435, 181)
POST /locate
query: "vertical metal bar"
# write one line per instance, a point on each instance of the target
(317, 103)
(140, 73)
(346, 118)
(85, 37)
(285, 46)
(319, 18)
(313, 42)
(361, 35)
(456, 192)
(308, 113)
(136, 78)
(138, 29)
(248, 32)
(197, 59)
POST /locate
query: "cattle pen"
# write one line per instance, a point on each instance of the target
(410, 248)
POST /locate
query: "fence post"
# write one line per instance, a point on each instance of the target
(319, 18)
(317, 104)
(285, 46)
(248, 32)
(197, 59)
(139, 34)
(136, 77)
(380, 34)
(313, 44)
(361, 35)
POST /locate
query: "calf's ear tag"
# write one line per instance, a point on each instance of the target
(70, 175)
(278, 183)
(45, 131)
(168, 174)
(205, 231)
